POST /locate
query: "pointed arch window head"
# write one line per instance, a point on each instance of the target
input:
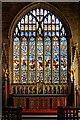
(39, 49)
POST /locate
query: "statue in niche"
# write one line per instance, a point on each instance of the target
(58, 90)
(30, 90)
(22, 90)
(54, 90)
(62, 90)
(50, 90)
(14, 90)
(26, 90)
(45, 90)
(66, 90)
(34, 90)
(40, 91)
(18, 90)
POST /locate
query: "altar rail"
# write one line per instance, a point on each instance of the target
(68, 113)
(12, 113)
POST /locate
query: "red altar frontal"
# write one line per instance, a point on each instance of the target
(39, 101)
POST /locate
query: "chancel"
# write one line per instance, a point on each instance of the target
(40, 55)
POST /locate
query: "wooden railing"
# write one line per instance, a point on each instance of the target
(63, 113)
(12, 113)
(68, 113)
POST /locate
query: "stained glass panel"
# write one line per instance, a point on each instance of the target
(34, 12)
(39, 76)
(55, 47)
(53, 19)
(63, 46)
(40, 63)
(16, 76)
(47, 62)
(63, 77)
(22, 27)
(24, 63)
(49, 19)
(23, 76)
(32, 62)
(32, 54)
(16, 53)
(22, 33)
(47, 57)
(55, 77)
(48, 76)
(16, 63)
(26, 19)
(56, 63)
(45, 12)
(22, 20)
(63, 63)
(32, 76)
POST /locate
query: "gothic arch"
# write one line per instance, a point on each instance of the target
(24, 11)
(45, 5)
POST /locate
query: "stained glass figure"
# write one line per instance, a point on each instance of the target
(47, 76)
(56, 62)
(47, 62)
(23, 76)
(40, 76)
(56, 77)
(24, 63)
(32, 63)
(31, 76)
(63, 63)
(40, 63)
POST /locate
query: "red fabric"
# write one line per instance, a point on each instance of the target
(42, 112)
(35, 112)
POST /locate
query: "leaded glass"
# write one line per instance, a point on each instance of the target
(63, 63)
(22, 27)
(40, 63)
(55, 76)
(26, 27)
(32, 76)
(40, 51)
(23, 76)
(63, 77)
(63, 46)
(48, 76)
(16, 76)
(40, 76)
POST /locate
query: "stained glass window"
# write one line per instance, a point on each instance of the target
(39, 49)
